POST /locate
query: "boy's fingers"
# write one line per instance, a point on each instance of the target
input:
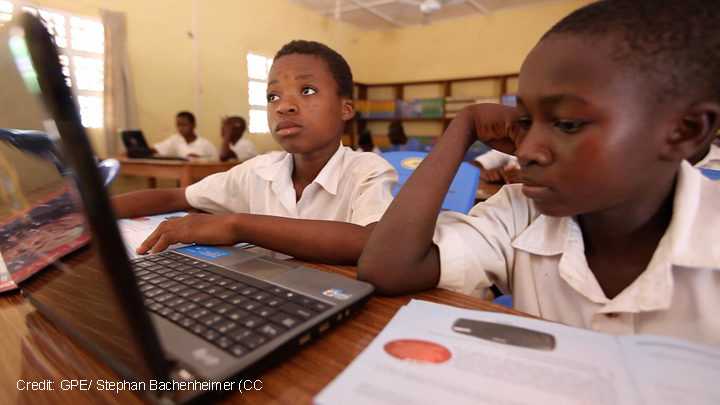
(505, 176)
(164, 227)
(167, 239)
(514, 175)
(149, 242)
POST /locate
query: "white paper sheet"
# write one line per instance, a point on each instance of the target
(583, 368)
(672, 371)
(425, 355)
(134, 231)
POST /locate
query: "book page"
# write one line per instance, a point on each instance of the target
(672, 371)
(134, 231)
(430, 354)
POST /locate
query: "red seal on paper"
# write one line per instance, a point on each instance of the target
(418, 351)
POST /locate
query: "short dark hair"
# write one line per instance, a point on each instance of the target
(365, 137)
(237, 120)
(335, 62)
(238, 125)
(675, 44)
(186, 114)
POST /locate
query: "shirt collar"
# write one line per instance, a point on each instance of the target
(279, 172)
(329, 176)
(713, 155)
(694, 231)
(690, 241)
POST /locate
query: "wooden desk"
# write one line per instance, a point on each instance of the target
(32, 349)
(183, 171)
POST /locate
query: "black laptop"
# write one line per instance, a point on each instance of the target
(138, 148)
(177, 322)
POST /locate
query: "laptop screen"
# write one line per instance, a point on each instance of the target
(96, 298)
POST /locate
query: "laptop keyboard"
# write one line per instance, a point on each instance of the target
(236, 313)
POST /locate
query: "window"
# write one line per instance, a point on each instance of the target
(6, 10)
(258, 68)
(81, 44)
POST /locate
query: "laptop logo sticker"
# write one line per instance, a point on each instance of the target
(338, 294)
(202, 354)
(206, 252)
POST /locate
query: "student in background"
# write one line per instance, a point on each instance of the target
(365, 142)
(611, 229)
(185, 143)
(317, 200)
(234, 146)
(497, 167)
(400, 142)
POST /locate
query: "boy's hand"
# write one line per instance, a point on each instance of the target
(225, 127)
(193, 228)
(501, 175)
(492, 124)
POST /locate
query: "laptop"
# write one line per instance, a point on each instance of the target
(179, 323)
(138, 148)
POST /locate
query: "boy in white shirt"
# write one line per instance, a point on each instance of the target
(185, 143)
(611, 229)
(316, 201)
(234, 146)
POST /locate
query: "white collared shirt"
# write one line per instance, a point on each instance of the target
(176, 145)
(540, 260)
(711, 160)
(352, 187)
(243, 149)
(494, 158)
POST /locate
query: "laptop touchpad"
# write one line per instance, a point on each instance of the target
(261, 268)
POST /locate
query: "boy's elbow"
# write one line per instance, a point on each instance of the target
(385, 282)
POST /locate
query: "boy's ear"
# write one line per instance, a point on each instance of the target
(348, 109)
(694, 131)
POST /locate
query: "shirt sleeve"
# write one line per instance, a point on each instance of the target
(373, 192)
(492, 159)
(166, 147)
(221, 193)
(475, 249)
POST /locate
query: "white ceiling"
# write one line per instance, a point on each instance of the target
(385, 15)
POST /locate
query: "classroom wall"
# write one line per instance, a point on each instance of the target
(481, 46)
(162, 52)
(231, 28)
(161, 49)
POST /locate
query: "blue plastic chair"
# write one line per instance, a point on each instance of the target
(504, 300)
(711, 174)
(461, 195)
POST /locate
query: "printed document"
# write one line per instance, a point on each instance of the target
(430, 354)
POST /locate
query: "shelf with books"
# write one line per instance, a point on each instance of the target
(428, 106)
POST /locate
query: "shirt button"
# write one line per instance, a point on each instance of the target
(612, 315)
